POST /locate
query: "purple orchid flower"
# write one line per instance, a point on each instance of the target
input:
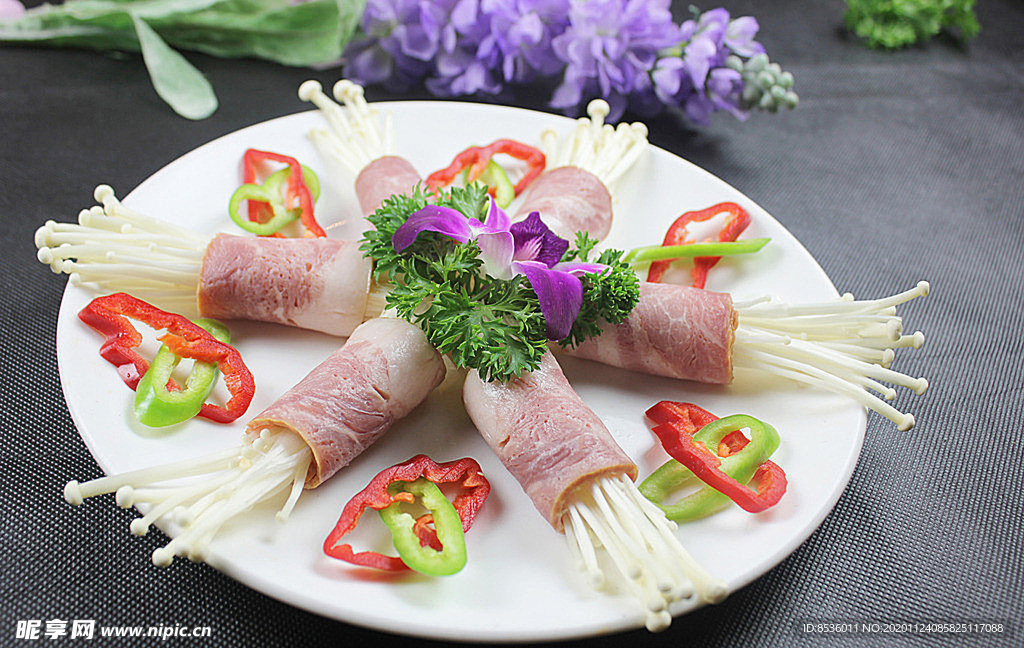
(497, 245)
(535, 242)
(538, 256)
(527, 248)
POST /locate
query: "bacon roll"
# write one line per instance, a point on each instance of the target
(319, 284)
(547, 437)
(569, 199)
(674, 331)
(382, 372)
(382, 178)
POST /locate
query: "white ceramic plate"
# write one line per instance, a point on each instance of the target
(519, 583)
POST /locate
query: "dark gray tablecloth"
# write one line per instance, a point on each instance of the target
(896, 167)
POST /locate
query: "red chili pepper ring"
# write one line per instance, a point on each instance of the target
(109, 315)
(737, 220)
(466, 473)
(476, 158)
(297, 191)
(704, 443)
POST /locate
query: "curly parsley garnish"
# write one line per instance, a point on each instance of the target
(494, 325)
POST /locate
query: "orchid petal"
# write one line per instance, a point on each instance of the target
(536, 242)
(443, 220)
(496, 252)
(560, 295)
(739, 36)
(578, 268)
(497, 219)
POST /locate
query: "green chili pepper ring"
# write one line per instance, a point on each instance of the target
(155, 405)
(271, 192)
(741, 466)
(494, 176)
(447, 523)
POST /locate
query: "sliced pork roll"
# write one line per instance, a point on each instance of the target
(384, 177)
(323, 285)
(582, 483)
(583, 167)
(547, 437)
(385, 369)
(570, 199)
(319, 284)
(674, 331)
(843, 345)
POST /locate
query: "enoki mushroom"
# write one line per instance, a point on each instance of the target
(357, 133)
(845, 346)
(604, 150)
(614, 519)
(233, 482)
(116, 248)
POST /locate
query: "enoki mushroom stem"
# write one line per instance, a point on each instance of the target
(602, 149)
(115, 248)
(845, 346)
(356, 134)
(614, 519)
(232, 482)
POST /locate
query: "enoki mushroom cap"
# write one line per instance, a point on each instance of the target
(598, 109)
(348, 91)
(309, 89)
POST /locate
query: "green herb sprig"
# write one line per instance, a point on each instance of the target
(609, 296)
(890, 25)
(482, 323)
(492, 325)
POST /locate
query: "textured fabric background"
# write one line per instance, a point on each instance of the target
(896, 167)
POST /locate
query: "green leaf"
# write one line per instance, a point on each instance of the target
(177, 82)
(95, 24)
(609, 296)
(310, 33)
(303, 34)
(100, 10)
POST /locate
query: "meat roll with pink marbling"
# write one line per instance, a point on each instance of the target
(545, 435)
(319, 284)
(382, 372)
(383, 178)
(569, 200)
(674, 331)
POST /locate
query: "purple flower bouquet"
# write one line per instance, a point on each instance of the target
(628, 52)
